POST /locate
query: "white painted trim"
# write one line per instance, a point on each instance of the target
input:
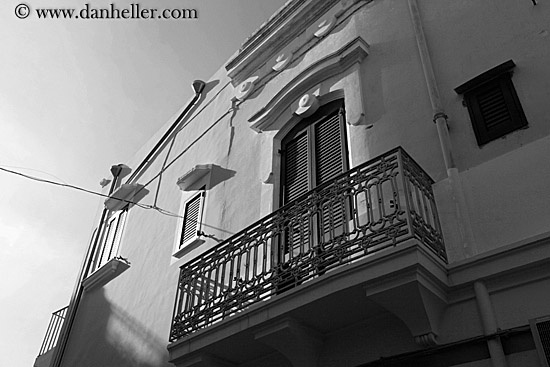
(178, 249)
(336, 63)
(112, 269)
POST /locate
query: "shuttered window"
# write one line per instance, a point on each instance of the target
(192, 218)
(493, 104)
(314, 151)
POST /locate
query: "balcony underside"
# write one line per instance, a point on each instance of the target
(405, 283)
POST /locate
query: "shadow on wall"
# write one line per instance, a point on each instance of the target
(220, 174)
(106, 335)
(209, 86)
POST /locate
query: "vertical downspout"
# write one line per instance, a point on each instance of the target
(84, 269)
(439, 116)
(198, 88)
(487, 315)
(468, 246)
(498, 359)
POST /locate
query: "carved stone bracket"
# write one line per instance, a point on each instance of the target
(426, 340)
(417, 300)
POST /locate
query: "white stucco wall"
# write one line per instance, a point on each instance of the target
(126, 322)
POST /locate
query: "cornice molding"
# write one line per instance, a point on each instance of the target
(335, 63)
(284, 25)
(281, 29)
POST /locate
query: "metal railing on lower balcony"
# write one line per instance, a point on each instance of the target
(54, 329)
(376, 205)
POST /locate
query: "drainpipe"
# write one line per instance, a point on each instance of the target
(84, 269)
(488, 319)
(439, 116)
(468, 247)
(198, 87)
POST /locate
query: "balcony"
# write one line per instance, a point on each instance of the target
(355, 221)
(51, 338)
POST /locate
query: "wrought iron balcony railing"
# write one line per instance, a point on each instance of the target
(54, 328)
(369, 208)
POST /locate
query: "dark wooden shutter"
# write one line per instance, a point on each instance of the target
(493, 104)
(313, 153)
(296, 170)
(492, 107)
(191, 219)
(494, 110)
(330, 162)
(329, 148)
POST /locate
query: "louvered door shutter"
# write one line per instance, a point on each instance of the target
(296, 181)
(330, 162)
(329, 148)
(296, 171)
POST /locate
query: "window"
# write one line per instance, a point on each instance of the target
(493, 104)
(109, 243)
(313, 152)
(192, 218)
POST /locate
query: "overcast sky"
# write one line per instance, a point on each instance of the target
(77, 96)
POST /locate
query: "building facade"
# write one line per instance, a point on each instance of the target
(364, 183)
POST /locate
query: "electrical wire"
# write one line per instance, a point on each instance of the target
(35, 170)
(143, 206)
(166, 166)
(191, 119)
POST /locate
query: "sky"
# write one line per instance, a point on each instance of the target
(76, 97)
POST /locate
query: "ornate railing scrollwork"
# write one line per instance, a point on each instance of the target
(371, 207)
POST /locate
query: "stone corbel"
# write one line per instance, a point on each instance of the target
(416, 300)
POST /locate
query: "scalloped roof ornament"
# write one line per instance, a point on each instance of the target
(325, 26)
(245, 88)
(282, 61)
